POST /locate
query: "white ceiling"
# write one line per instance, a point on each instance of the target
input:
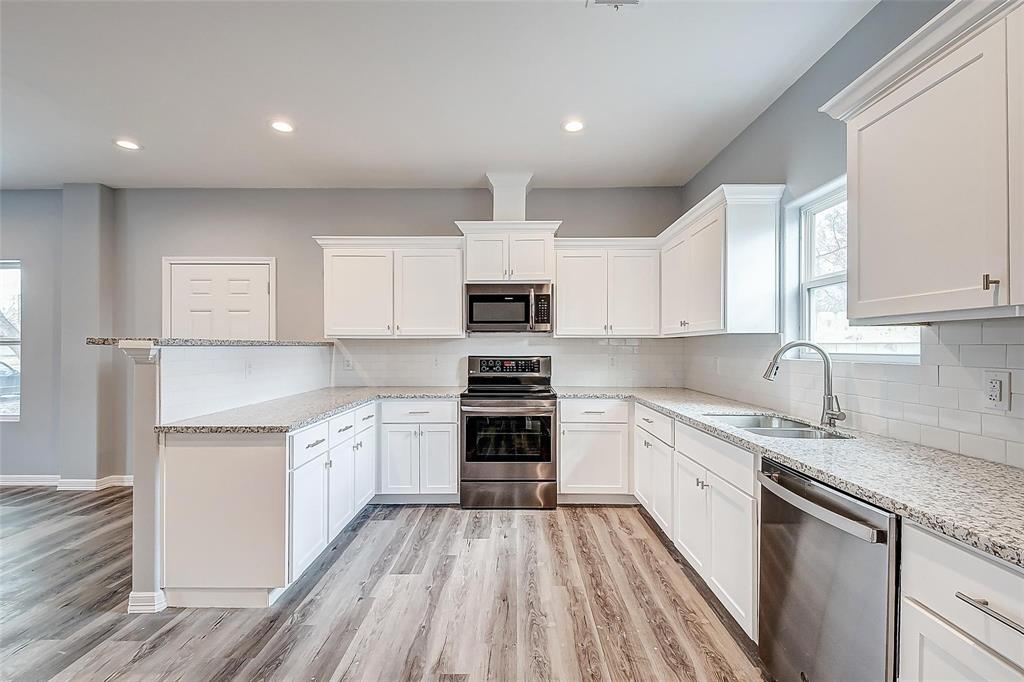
(392, 94)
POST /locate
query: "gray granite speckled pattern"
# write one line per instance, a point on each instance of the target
(113, 340)
(296, 411)
(977, 502)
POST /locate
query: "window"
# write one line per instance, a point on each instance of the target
(10, 340)
(823, 287)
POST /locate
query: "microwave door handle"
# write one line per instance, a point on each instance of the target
(533, 303)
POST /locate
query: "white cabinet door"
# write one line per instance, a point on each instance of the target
(364, 477)
(340, 486)
(439, 458)
(219, 301)
(400, 458)
(642, 467)
(634, 299)
(581, 302)
(931, 650)
(661, 484)
(927, 188)
(307, 495)
(674, 296)
(594, 458)
(358, 292)
(486, 257)
(1015, 107)
(732, 534)
(531, 256)
(690, 527)
(428, 292)
(705, 275)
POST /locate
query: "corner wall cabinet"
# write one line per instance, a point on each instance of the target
(414, 291)
(498, 251)
(719, 264)
(933, 163)
(606, 292)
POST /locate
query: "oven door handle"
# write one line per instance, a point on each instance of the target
(501, 411)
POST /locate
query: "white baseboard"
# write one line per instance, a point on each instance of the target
(417, 498)
(223, 597)
(146, 602)
(588, 498)
(93, 483)
(30, 479)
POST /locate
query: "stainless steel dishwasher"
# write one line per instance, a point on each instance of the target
(827, 597)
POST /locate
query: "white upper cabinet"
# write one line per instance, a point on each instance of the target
(719, 264)
(358, 293)
(498, 251)
(606, 292)
(428, 292)
(928, 179)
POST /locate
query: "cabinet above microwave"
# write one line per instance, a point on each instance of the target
(515, 250)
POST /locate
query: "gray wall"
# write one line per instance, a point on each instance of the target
(791, 142)
(30, 231)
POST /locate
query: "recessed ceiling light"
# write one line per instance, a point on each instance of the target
(130, 145)
(282, 126)
(572, 125)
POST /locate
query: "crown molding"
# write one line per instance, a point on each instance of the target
(948, 30)
(764, 194)
(606, 243)
(390, 242)
(493, 226)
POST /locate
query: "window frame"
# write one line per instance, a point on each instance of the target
(14, 264)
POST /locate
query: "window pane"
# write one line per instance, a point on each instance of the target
(10, 300)
(828, 240)
(10, 381)
(830, 328)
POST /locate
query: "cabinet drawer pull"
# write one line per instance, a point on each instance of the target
(369, 416)
(593, 411)
(649, 421)
(982, 605)
(418, 412)
(343, 429)
(318, 441)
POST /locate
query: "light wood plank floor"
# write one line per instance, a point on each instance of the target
(404, 593)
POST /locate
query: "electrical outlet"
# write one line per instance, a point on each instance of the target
(997, 390)
(437, 362)
(248, 368)
(348, 363)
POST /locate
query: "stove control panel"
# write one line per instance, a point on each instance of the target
(512, 365)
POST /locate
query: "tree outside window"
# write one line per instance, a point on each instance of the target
(10, 340)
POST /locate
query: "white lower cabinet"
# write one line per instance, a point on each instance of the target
(642, 470)
(399, 458)
(307, 490)
(732, 536)
(340, 480)
(439, 464)
(690, 523)
(653, 482)
(593, 450)
(419, 459)
(364, 479)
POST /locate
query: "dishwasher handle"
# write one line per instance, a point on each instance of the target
(847, 525)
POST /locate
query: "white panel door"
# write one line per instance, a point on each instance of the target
(531, 256)
(1015, 108)
(705, 275)
(675, 264)
(340, 487)
(307, 496)
(732, 536)
(220, 301)
(634, 300)
(358, 292)
(594, 458)
(690, 522)
(486, 257)
(642, 467)
(581, 302)
(400, 458)
(428, 292)
(931, 650)
(439, 458)
(927, 188)
(661, 484)
(364, 477)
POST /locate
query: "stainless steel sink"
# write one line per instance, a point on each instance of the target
(776, 427)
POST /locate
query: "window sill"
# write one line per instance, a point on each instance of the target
(865, 357)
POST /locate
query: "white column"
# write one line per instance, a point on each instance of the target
(144, 453)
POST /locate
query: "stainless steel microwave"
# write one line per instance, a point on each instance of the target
(509, 308)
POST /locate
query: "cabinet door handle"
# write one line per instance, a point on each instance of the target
(398, 327)
(318, 441)
(328, 464)
(611, 328)
(343, 429)
(982, 605)
(987, 281)
(511, 272)
(504, 274)
(388, 327)
(649, 421)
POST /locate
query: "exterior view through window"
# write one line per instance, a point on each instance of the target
(10, 339)
(823, 288)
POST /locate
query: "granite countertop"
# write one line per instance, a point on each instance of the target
(157, 341)
(302, 409)
(977, 502)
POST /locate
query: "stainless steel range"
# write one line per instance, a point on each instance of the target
(508, 434)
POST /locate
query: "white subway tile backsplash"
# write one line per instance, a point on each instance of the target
(940, 396)
(960, 332)
(960, 377)
(1015, 454)
(921, 414)
(1015, 356)
(905, 393)
(944, 439)
(929, 334)
(959, 420)
(941, 354)
(1002, 331)
(907, 431)
(986, 448)
(999, 426)
(982, 356)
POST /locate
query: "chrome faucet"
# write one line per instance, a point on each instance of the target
(831, 412)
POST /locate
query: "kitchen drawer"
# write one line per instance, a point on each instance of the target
(341, 428)
(935, 569)
(365, 416)
(654, 423)
(419, 411)
(308, 444)
(728, 462)
(591, 411)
